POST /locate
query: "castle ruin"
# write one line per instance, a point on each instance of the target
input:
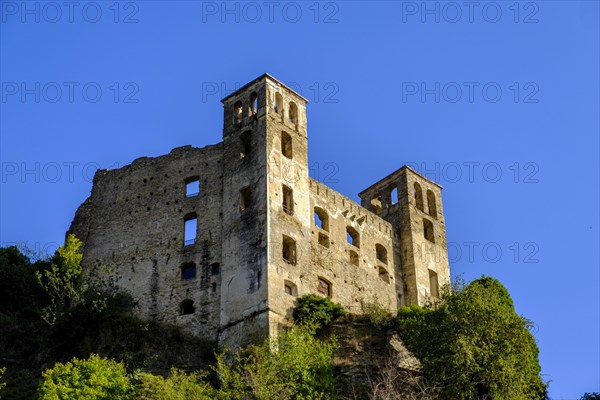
(221, 240)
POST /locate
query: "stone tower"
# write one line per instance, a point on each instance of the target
(221, 240)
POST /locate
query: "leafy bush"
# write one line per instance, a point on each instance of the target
(379, 316)
(2, 385)
(178, 386)
(317, 310)
(93, 379)
(473, 344)
(295, 365)
(591, 396)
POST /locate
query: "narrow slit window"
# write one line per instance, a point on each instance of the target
(394, 195)
(293, 113)
(238, 112)
(187, 307)
(192, 187)
(434, 287)
(278, 104)
(288, 200)
(418, 193)
(428, 230)
(253, 103)
(245, 198)
(188, 271)
(432, 207)
(245, 144)
(289, 250)
(352, 236)
(286, 145)
(190, 230)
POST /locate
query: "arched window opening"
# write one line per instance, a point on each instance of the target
(376, 203)
(394, 195)
(190, 229)
(238, 112)
(418, 193)
(288, 200)
(434, 286)
(352, 236)
(278, 104)
(253, 103)
(354, 258)
(431, 204)
(290, 288)
(192, 186)
(286, 145)
(245, 144)
(188, 271)
(289, 250)
(293, 113)
(321, 219)
(428, 230)
(381, 253)
(324, 287)
(187, 307)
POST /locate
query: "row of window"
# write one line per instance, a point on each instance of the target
(324, 287)
(418, 195)
(239, 114)
(188, 270)
(246, 144)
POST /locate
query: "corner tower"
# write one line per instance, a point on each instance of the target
(413, 205)
(265, 203)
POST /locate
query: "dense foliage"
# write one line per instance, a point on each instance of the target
(473, 345)
(295, 365)
(591, 396)
(93, 379)
(317, 311)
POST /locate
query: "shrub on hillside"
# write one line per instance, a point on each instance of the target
(317, 310)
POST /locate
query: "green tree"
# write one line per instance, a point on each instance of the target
(2, 385)
(295, 365)
(177, 386)
(591, 396)
(62, 281)
(317, 310)
(473, 345)
(96, 378)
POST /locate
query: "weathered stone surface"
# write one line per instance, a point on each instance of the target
(257, 246)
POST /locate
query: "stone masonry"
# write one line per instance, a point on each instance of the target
(222, 239)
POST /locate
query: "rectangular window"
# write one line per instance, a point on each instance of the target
(191, 226)
(289, 250)
(286, 145)
(434, 288)
(245, 198)
(245, 144)
(428, 230)
(215, 269)
(288, 200)
(192, 187)
(324, 287)
(323, 240)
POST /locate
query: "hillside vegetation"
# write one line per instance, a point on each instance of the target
(61, 339)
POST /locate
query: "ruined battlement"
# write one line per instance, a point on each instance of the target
(222, 239)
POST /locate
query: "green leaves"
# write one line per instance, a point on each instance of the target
(62, 281)
(93, 379)
(317, 310)
(473, 344)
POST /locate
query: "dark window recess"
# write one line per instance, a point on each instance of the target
(288, 200)
(289, 250)
(215, 269)
(187, 307)
(245, 198)
(245, 144)
(188, 271)
(286, 145)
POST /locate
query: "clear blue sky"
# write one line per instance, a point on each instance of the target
(498, 102)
